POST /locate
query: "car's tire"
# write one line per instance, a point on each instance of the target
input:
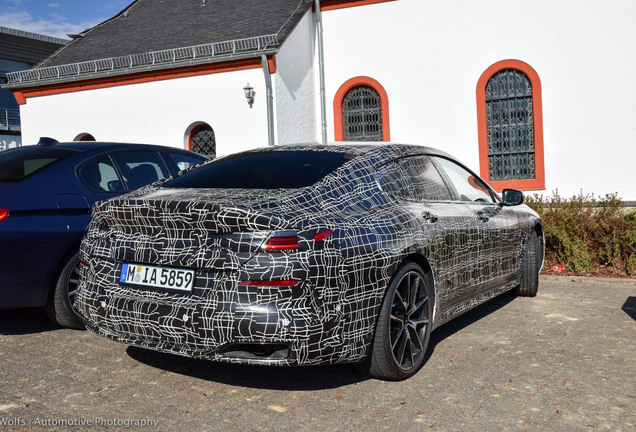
(59, 307)
(404, 326)
(531, 265)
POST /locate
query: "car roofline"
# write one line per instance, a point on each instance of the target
(357, 148)
(86, 145)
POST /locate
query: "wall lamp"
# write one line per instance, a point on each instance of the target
(249, 94)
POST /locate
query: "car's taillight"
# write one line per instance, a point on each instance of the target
(270, 283)
(280, 241)
(3, 213)
(288, 240)
(323, 234)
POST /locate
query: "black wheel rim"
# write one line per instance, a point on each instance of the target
(72, 282)
(409, 321)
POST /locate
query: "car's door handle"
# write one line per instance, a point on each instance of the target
(429, 217)
(482, 216)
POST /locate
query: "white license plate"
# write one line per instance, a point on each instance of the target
(157, 277)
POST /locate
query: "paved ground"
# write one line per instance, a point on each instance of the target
(563, 361)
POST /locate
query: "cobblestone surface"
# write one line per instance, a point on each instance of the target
(562, 361)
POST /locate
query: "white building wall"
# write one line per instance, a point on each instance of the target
(158, 112)
(429, 55)
(295, 97)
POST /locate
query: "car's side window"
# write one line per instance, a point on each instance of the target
(140, 168)
(20, 163)
(468, 186)
(184, 161)
(425, 181)
(392, 181)
(99, 175)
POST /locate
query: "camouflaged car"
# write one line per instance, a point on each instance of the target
(299, 255)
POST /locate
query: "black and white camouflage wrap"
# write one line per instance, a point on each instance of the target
(330, 316)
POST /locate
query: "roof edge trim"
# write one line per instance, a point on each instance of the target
(156, 60)
(34, 36)
(251, 62)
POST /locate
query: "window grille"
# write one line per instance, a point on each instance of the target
(510, 126)
(362, 115)
(203, 141)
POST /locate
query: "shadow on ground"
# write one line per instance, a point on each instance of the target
(261, 377)
(25, 321)
(296, 378)
(629, 307)
(470, 317)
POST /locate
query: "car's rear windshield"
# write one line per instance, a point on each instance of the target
(19, 163)
(263, 170)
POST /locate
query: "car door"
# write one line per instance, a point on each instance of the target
(499, 244)
(447, 232)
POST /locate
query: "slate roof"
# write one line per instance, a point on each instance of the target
(149, 26)
(154, 25)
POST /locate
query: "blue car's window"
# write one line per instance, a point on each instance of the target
(263, 170)
(140, 168)
(184, 161)
(99, 175)
(20, 163)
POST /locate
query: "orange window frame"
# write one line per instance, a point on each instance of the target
(196, 129)
(342, 92)
(538, 183)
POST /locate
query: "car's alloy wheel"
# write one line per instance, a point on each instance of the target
(60, 306)
(72, 282)
(404, 326)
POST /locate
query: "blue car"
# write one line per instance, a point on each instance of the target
(46, 195)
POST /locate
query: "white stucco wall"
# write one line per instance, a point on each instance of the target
(296, 99)
(429, 55)
(156, 112)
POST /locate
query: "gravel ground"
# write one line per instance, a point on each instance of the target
(562, 361)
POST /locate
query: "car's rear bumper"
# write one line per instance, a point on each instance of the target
(222, 320)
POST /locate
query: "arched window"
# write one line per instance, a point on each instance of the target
(361, 111)
(201, 140)
(362, 115)
(510, 126)
(84, 136)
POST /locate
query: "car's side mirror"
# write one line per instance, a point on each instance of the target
(511, 197)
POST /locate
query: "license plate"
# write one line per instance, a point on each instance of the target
(157, 277)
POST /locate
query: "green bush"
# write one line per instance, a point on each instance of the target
(586, 235)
